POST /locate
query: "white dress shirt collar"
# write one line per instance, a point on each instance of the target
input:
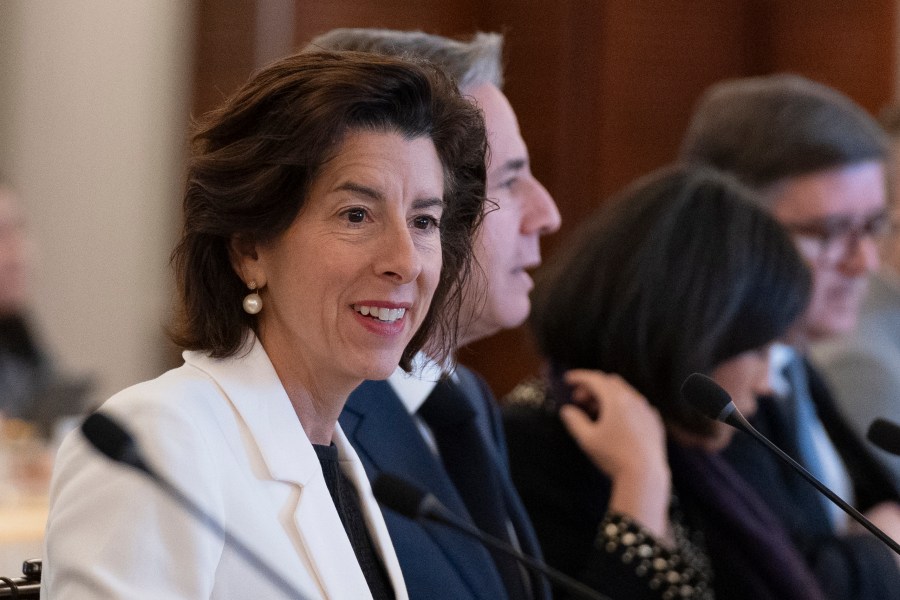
(779, 357)
(413, 388)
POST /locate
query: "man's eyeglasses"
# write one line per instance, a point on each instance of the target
(835, 238)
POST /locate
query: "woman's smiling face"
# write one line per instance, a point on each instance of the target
(347, 285)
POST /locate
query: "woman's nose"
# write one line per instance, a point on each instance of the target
(398, 256)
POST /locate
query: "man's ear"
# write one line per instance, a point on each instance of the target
(242, 250)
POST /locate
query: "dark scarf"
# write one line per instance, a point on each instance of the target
(751, 552)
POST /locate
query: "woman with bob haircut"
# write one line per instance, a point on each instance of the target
(329, 214)
(680, 274)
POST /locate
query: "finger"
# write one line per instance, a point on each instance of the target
(594, 388)
(585, 384)
(588, 400)
(585, 377)
(582, 395)
(576, 421)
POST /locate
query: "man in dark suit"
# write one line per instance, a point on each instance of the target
(862, 369)
(446, 436)
(818, 161)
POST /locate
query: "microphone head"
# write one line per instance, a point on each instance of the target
(885, 435)
(705, 395)
(398, 495)
(111, 439)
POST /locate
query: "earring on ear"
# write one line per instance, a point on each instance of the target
(252, 301)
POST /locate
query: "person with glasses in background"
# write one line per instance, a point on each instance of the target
(818, 161)
(863, 367)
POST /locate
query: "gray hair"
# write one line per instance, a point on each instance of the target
(471, 63)
(767, 129)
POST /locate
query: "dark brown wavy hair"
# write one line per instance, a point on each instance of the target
(255, 159)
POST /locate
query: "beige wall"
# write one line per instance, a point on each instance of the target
(94, 100)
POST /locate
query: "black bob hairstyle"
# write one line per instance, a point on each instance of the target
(678, 274)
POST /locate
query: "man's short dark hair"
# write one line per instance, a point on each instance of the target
(766, 129)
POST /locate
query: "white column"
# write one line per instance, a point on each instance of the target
(95, 98)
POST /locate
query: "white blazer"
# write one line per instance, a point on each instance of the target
(225, 432)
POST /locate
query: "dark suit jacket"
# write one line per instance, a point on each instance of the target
(436, 562)
(862, 369)
(851, 567)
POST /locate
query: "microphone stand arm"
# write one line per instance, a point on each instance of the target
(214, 526)
(741, 423)
(436, 513)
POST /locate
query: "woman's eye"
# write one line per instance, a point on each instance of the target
(355, 215)
(425, 222)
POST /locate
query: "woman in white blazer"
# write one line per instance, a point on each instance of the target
(329, 214)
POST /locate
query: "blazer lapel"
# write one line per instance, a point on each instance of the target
(387, 440)
(286, 455)
(872, 484)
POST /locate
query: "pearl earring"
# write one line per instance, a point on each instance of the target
(252, 301)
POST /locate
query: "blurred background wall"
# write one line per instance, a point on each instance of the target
(95, 97)
(94, 106)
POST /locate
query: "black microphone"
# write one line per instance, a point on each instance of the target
(711, 400)
(886, 435)
(115, 442)
(410, 501)
(27, 587)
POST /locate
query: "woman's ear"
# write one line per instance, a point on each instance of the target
(245, 260)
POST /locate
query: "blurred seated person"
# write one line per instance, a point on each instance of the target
(817, 161)
(31, 388)
(329, 216)
(862, 368)
(622, 479)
